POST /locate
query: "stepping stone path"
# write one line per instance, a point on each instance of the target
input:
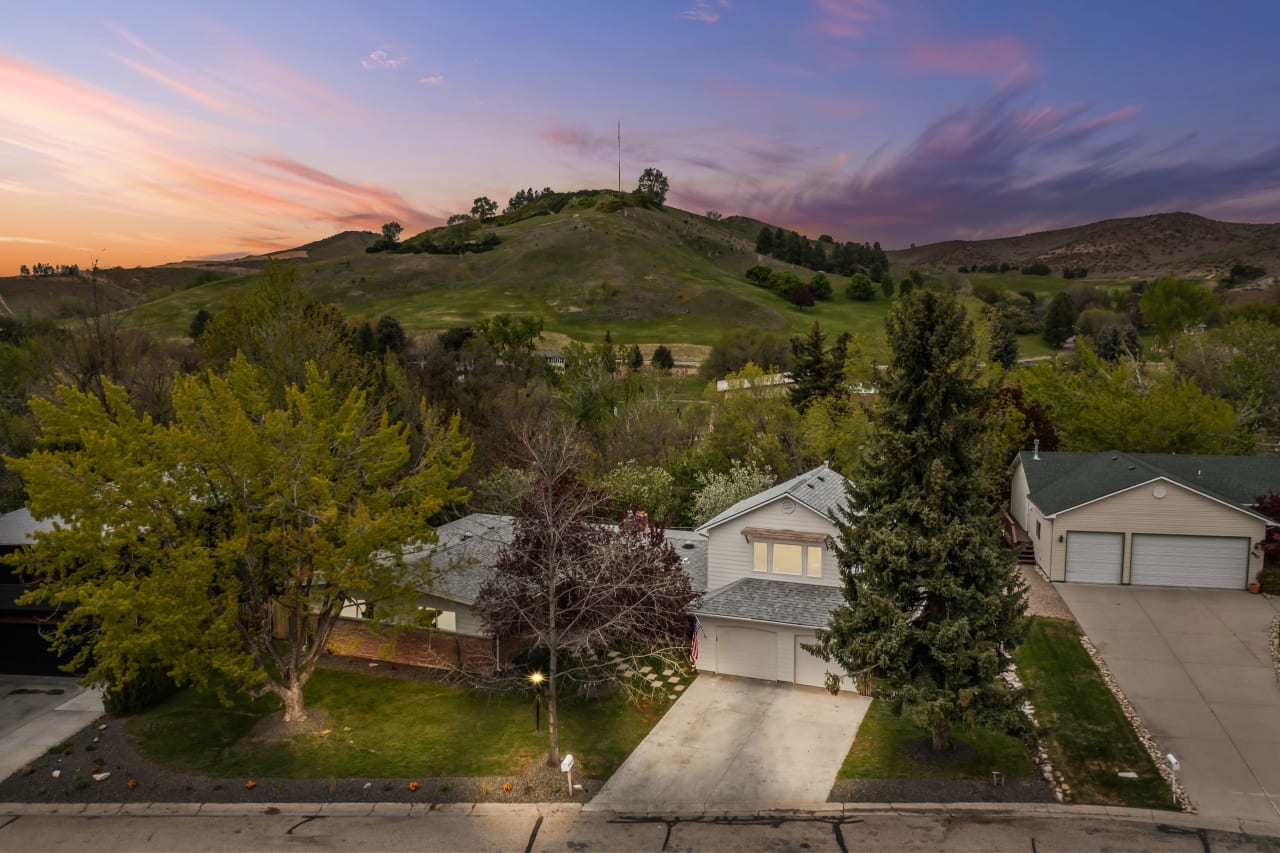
(646, 669)
(679, 687)
(668, 672)
(673, 680)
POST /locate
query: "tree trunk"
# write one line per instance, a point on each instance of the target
(942, 736)
(553, 717)
(294, 710)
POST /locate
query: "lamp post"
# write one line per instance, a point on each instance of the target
(535, 678)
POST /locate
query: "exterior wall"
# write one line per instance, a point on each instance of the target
(419, 647)
(1044, 542)
(730, 556)
(1137, 510)
(466, 620)
(1018, 502)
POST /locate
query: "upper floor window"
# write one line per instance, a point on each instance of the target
(783, 558)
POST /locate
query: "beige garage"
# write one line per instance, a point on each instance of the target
(1142, 519)
(748, 652)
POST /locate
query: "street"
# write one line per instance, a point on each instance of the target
(218, 827)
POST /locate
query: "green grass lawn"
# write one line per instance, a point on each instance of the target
(880, 751)
(1087, 735)
(387, 728)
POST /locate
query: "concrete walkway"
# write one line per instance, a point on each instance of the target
(737, 743)
(1196, 666)
(32, 718)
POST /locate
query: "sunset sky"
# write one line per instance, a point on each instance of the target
(144, 132)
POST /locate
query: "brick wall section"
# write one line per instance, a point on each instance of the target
(418, 647)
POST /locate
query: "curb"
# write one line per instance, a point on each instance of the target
(826, 811)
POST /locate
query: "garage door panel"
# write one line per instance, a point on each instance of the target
(1206, 562)
(1094, 557)
(748, 652)
(811, 670)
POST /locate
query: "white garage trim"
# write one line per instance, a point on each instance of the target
(749, 652)
(1209, 562)
(1094, 557)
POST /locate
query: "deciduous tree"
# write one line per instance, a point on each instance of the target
(579, 588)
(654, 186)
(223, 546)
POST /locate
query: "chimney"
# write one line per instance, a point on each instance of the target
(1035, 454)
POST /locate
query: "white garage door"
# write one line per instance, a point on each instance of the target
(748, 652)
(1212, 562)
(812, 671)
(1094, 557)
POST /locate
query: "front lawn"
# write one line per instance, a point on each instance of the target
(880, 751)
(1089, 739)
(385, 727)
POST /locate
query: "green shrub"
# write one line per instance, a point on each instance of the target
(151, 687)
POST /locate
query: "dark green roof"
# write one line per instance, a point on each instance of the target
(1061, 481)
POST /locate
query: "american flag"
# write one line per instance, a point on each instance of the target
(693, 644)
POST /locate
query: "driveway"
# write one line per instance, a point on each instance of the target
(738, 743)
(37, 712)
(1196, 666)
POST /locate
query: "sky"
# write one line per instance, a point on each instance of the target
(136, 133)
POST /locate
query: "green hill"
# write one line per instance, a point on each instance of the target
(590, 266)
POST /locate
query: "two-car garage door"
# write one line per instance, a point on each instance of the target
(1210, 562)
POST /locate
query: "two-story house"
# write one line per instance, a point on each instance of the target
(771, 581)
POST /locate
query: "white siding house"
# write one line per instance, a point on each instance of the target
(771, 581)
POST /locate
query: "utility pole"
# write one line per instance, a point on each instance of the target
(619, 155)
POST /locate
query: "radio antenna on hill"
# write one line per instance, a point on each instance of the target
(619, 155)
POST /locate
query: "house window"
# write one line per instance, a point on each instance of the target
(813, 567)
(1037, 528)
(783, 558)
(787, 559)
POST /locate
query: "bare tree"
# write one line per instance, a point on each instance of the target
(580, 588)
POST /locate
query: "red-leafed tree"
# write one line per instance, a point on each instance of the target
(579, 587)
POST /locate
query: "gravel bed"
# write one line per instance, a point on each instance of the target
(1042, 598)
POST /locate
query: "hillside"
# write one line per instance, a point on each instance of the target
(589, 266)
(1145, 246)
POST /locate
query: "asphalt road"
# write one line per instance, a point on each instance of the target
(533, 828)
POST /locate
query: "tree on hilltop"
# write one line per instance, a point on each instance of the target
(484, 208)
(653, 185)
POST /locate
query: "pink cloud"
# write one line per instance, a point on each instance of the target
(223, 104)
(848, 19)
(432, 80)
(1005, 58)
(577, 140)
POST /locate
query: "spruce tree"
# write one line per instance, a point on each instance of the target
(815, 373)
(934, 606)
(1060, 322)
(1004, 343)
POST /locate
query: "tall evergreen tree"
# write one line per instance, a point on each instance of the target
(815, 372)
(1004, 343)
(933, 606)
(764, 241)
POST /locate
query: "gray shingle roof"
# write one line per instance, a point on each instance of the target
(16, 527)
(821, 490)
(468, 548)
(1061, 481)
(787, 602)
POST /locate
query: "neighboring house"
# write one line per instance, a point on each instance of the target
(23, 648)
(771, 383)
(1145, 519)
(772, 580)
(462, 560)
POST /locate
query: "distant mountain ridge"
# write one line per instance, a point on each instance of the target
(1182, 244)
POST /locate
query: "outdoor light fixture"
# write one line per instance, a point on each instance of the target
(536, 678)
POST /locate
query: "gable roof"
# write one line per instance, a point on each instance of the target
(467, 549)
(1058, 482)
(762, 600)
(821, 490)
(17, 527)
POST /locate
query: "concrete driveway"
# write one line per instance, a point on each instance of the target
(735, 743)
(1196, 666)
(39, 711)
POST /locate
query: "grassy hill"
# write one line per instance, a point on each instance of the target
(644, 275)
(588, 263)
(1181, 244)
